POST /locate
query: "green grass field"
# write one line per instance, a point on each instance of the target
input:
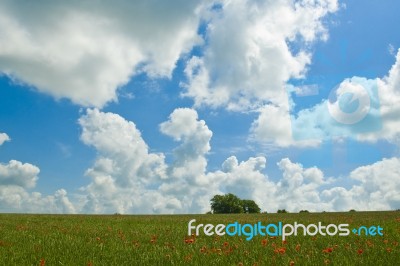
(163, 240)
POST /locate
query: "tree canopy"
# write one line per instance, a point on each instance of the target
(230, 203)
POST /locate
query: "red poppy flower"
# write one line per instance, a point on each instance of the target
(327, 250)
(280, 250)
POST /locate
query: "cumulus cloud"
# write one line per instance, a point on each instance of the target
(248, 56)
(16, 199)
(274, 126)
(183, 125)
(17, 173)
(127, 178)
(3, 138)
(389, 110)
(16, 181)
(375, 115)
(377, 188)
(84, 52)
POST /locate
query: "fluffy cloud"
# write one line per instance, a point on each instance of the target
(3, 138)
(17, 173)
(16, 179)
(124, 167)
(377, 189)
(323, 121)
(248, 57)
(17, 199)
(85, 52)
(274, 126)
(183, 125)
(389, 110)
(127, 178)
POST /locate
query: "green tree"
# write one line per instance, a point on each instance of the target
(230, 203)
(249, 206)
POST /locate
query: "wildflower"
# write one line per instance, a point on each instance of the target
(326, 261)
(389, 250)
(291, 263)
(284, 242)
(189, 241)
(240, 264)
(98, 238)
(226, 244)
(152, 241)
(297, 247)
(280, 250)
(42, 262)
(360, 251)
(385, 241)
(264, 242)
(327, 250)
(203, 249)
(89, 263)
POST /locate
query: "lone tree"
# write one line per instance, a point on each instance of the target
(230, 203)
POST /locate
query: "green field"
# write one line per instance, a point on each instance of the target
(163, 240)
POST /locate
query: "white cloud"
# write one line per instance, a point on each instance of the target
(127, 178)
(124, 168)
(3, 138)
(16, 199)
(377, 189)
(389, 110)
(84, 52)
(17, 173)
(183, 125)
(310, 126)
(274, 126)
(16, 179)
(248, 56)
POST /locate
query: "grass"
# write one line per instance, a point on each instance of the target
(162, 240)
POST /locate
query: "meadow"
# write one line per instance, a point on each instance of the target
(29, 239)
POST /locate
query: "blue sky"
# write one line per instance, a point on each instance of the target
(155, 108)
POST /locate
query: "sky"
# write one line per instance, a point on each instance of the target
(142, 107)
